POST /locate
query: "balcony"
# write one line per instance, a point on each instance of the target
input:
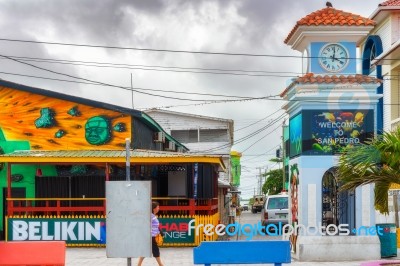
(97, 206)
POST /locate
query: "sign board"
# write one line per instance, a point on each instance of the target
(128, 211)
(71, 230)
(177, 230)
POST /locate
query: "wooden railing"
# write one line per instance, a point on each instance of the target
(56, 206)
(97, 206)
(185, 206)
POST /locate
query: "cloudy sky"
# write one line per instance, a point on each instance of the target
(228, 31)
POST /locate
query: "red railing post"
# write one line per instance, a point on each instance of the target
(192, 207)
(10, 210)
(58, 207)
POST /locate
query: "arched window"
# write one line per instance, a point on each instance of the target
(372, 48)
(329, 199)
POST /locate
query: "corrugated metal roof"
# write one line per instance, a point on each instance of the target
(108, 156)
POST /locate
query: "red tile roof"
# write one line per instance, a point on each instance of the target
(390, 3)
(330, 16)
(310, 78)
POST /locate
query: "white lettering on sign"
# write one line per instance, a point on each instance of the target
(338, 124)
(45, 229)
(36, 230)
(20, 230)
(176, 234)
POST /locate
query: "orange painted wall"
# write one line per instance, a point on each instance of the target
(19, 110)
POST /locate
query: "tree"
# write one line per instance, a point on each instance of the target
(274, 183)
(377, 161)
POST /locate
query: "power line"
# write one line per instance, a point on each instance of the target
(126, 88)
(161, 68)
(258, 120)
(148, 49)
(115, 86)
(203, 102)
(165, 50)
(247, 136)
(254, 143)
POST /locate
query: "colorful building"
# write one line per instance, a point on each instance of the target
(58, 151)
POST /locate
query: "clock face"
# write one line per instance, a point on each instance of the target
(333, 57)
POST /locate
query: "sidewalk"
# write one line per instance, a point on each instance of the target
(171, 256)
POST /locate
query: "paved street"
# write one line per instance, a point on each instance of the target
(179, 255)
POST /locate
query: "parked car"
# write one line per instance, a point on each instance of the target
(275, 211)
(245, 207)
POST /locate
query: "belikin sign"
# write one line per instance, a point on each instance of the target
(85, 231)
(73, 231)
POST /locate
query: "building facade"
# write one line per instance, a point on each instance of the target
(206, 135)
(58, 151)
(380, 59)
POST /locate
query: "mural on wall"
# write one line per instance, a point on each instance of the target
(330, 132)
(295, 133)
(294, 190)
(53, 124)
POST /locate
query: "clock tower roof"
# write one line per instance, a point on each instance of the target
(312, 79)
(328, 24)
(390, 3)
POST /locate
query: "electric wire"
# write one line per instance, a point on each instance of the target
(261, 139)
(164, 50)
(111, 85)
(247, 136)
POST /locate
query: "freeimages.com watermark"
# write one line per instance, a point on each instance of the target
(284, 230)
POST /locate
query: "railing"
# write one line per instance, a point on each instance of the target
(56, 206)
(185, 206)
(97, 206)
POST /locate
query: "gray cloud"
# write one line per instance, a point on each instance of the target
(233, 26)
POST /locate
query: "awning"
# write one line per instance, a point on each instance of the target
(108, 156)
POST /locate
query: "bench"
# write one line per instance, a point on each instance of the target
(29, 253)
(242, 252)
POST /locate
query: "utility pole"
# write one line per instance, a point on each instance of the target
(283, 154)
(265, 174)
(132, 90)
(259, 181)
(128, 176)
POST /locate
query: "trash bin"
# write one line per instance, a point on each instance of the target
(388, 239)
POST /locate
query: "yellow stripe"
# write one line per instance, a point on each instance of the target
(29, 159)
(150, 160)
(394, 186)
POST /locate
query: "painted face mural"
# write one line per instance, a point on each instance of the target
(98, 130)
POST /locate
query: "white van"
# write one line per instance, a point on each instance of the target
(275, 211)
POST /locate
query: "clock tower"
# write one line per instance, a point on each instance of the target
(330, 107)
(328, 39)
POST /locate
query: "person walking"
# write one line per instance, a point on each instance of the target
(155, 229)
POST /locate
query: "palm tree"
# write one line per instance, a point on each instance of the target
(377, 161)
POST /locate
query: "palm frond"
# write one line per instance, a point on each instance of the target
(375, 162)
